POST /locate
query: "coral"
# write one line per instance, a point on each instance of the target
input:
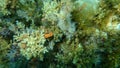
(4, 46)
(49, 13)
(60, 33)
(17, 27)
(60, 12)
(29, 10)
(3, 7)
(26, 12)
(69, 53)
(31, 43)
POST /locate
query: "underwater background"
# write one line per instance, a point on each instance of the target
(59, 33)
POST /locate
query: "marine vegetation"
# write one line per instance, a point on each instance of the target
(59, 33)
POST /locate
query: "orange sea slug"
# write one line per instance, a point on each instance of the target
(48, 35)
